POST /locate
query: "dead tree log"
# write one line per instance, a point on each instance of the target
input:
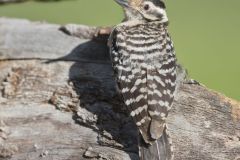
(18, 1)
(58, 101)
(11, 1)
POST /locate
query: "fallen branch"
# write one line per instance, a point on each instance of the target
(58, 101)
(18, 1)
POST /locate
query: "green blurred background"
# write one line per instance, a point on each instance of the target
(206, 33)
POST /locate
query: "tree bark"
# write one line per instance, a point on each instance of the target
(58, 101)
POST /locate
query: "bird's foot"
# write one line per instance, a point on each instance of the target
(191, 82)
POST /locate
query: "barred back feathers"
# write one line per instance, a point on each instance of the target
(144, 62)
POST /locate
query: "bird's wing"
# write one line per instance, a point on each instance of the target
(131, 84)
(161, 84)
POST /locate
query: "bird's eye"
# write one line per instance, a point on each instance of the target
(146, 7)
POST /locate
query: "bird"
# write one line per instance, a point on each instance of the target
(144, 64)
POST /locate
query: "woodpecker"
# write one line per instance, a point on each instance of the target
(144, 64)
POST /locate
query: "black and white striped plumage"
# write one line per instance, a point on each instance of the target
(144, 63)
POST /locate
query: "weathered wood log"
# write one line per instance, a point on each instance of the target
(58, 101)
(11, 1)
(18, 1)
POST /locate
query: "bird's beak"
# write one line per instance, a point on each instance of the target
(123, 3)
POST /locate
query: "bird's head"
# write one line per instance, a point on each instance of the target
(147, 10)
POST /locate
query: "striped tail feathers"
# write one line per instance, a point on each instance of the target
(161, 149)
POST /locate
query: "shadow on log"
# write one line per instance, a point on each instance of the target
(58, 101)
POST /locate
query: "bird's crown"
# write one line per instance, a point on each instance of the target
(150, 10)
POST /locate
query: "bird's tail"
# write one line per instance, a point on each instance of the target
(161, 149)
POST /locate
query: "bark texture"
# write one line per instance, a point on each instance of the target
(58, 101)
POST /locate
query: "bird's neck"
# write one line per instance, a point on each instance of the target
(132, 23)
